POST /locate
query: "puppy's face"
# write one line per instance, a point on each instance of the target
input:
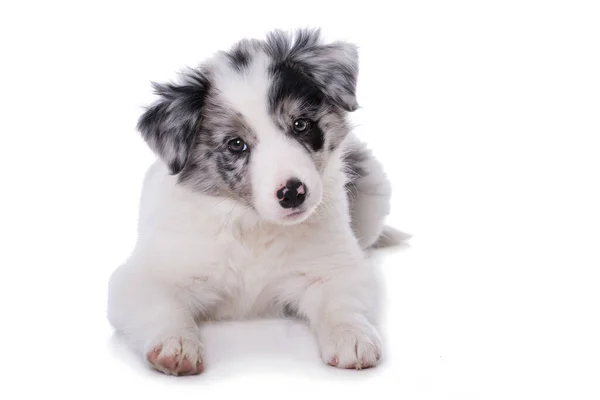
(258, 123)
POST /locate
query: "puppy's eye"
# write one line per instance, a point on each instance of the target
(237, 145)
(301, 125)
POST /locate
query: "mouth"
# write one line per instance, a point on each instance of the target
(294, 215)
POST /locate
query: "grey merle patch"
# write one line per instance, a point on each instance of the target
(332, 67)
(170, 125)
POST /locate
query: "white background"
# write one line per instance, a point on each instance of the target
(485, 114)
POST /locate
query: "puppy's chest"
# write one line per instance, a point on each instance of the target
(247, 274)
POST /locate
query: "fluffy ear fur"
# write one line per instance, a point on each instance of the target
(170, 125)
(333, 67)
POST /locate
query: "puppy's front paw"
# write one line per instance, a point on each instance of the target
(176, 355)
(350, 346)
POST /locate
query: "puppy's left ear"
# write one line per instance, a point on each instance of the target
(170, 125)
(334, 67)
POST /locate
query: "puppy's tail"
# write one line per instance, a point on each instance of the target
(391, 237)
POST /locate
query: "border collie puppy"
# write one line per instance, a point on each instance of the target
(262, 203)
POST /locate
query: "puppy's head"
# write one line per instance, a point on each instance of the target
(258, 123)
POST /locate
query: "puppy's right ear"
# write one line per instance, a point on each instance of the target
(170, 125)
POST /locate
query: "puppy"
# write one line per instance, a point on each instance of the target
(262, 203)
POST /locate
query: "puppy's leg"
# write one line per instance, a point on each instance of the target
(340, 306)
(155, 321)
(369, 193)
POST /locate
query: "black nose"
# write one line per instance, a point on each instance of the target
(292, 194)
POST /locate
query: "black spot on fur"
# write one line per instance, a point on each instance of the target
(332, 67)
(170, 125)
(290, 310)
(314, 138)
(289, 84)
(239, 59)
